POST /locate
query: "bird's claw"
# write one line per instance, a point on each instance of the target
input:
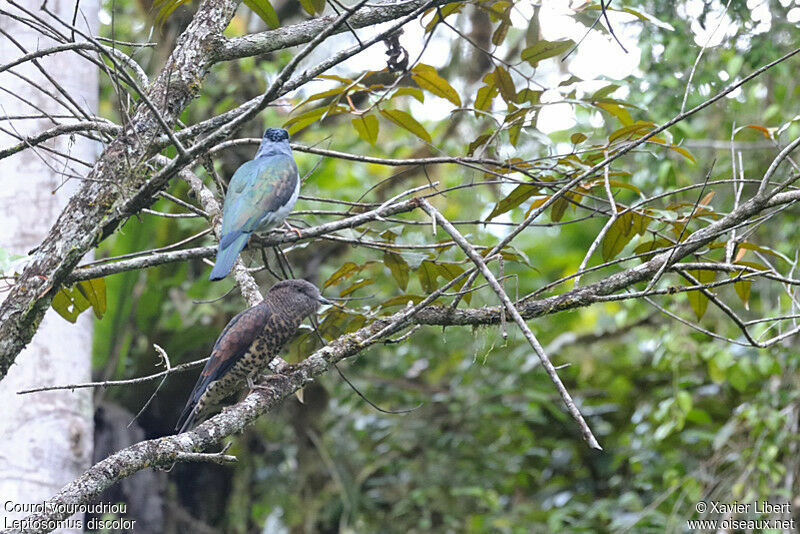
(291, 228)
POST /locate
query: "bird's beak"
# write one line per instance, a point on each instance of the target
(324, 300)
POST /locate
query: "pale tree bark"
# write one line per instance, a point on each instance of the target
(45, 440)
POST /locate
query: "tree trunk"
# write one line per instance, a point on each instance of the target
(45, 438)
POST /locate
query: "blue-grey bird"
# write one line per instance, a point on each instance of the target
(260, 195)
(248, 343)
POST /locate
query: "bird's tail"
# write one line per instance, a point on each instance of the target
(229, 249)
(187, 418)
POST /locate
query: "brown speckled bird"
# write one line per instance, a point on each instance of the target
(248, 343)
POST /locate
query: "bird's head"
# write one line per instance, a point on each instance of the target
(276, 135)
(275, 141)
(298, 295)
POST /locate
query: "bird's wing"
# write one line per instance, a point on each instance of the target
(257, 188)
(231, 345)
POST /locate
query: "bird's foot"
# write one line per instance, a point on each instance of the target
(291, 228)
(263, 384)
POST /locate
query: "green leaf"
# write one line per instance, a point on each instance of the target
(367, 128)
(619, 234)
(520, 194)
(650, 246)
(604, 92)
(513, 133)
(742, 288)
(698, 416)
(545, 49)
(684, 401)
(697, 300)
(313, 7)
(640, 223)
(165, 9)
(406, 121)
(356, 286)
(529, 95)
(557, 208)
(427, 78)
(427, 274)
(738, 376)
(265, 12)
(478, 142)
(398, 267)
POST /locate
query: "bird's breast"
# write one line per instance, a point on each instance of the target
(252, 363)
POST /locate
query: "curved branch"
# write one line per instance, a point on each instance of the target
(297, 34)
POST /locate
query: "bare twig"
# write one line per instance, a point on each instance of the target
(512, 310)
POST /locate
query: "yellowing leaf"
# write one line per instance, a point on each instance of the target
(499, 34)
(683, 152)
(412, 91)
(406, 121)
(446, 10)
(536, 204)
(577, 138)
(483, 100)
(427, 78)
(635, 128)
(697, 300)
(761, 129)
(367, 128)
(342, 273)
(616, 110)
(706, 199)
(94, 291)
(545, 49)
(299, 122)
(70, 302)
(506, 85)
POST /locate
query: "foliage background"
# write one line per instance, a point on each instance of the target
(682, 417)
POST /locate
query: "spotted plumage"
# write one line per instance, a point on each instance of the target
(260, 196)
(248, 343)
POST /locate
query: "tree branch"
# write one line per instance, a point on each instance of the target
(297, 34)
